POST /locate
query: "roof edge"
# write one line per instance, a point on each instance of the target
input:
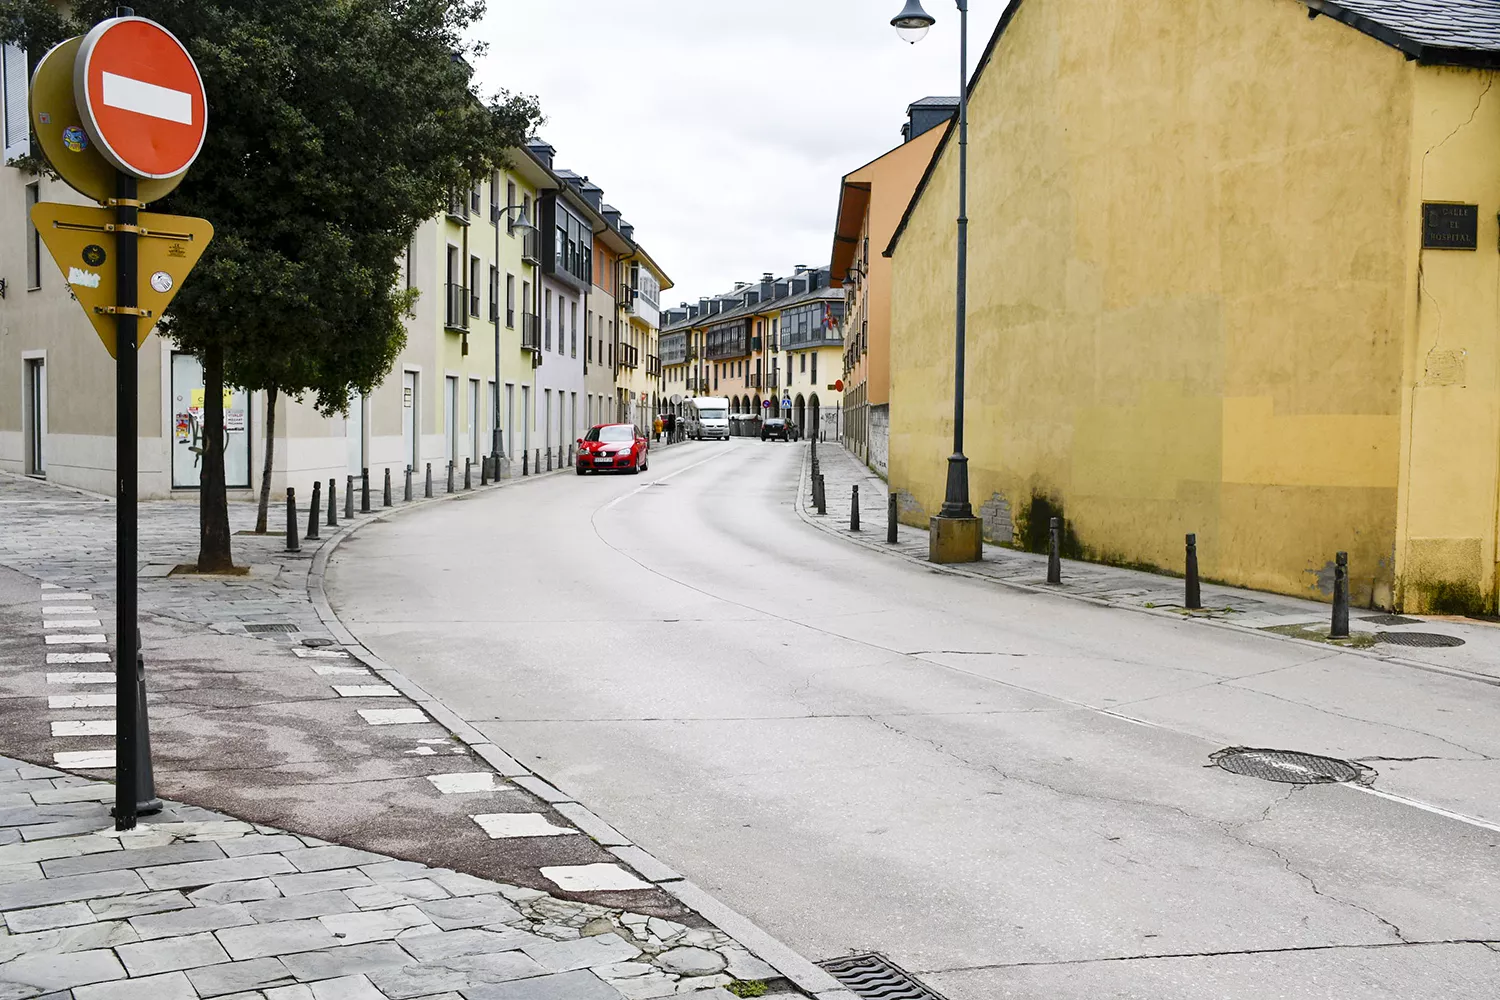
(1430, 55)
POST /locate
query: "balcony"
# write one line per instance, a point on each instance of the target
(627, 298)
(531, 332)
(773, 381)
(753, 381)
(458, 208)
(531, 252)
(630, 357)
(653, 366)
(456, 311)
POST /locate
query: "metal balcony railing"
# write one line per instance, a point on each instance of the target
(531, 244)
(531, 332)
(456, 312)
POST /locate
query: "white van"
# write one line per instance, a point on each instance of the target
(707, 417)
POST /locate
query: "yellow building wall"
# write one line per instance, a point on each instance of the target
(1187, 287)
(1446, 552)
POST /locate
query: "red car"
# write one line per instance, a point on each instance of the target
(612, 447)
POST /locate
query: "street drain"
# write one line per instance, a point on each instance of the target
(1291, 767)
(1430, 640)
(271, 627)
(1390, 620)
(877, 977)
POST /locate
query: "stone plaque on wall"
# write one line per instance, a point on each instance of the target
(1448, 226)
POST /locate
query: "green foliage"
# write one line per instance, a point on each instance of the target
(747, 988)
(335, 128)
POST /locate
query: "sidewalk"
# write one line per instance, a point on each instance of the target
(198, 904)
(1374, 634)
(299, 728)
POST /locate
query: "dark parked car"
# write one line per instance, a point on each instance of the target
(776, 427)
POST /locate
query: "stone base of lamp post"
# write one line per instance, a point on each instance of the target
(955, 539)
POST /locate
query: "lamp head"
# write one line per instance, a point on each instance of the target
(912, 23)
(521, 221)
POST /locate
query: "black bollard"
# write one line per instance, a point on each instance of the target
(386, 494)
(315, 510)
(349, 498)
(333, 503)
(854, 509)
(428, 491)
(450, 475)
(406, 493)
(891, 523)
(1340, 628)
(468, 474)
(822, 496)
(1194, 599)
(364, 491)
(1054, 551)
(291, 521)
(549, 459)
(525, 463)
(536, 462)
(484, 471)
(146, 802)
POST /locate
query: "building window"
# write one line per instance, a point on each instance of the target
(33, 238)
(573, 327)
(494, 294)
(15, 77)
(510, 300)
(474, 266)
(476, 197)
(547, 322)
(815, 370)
(510, 199)
(804, 362)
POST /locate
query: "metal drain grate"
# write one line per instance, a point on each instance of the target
(271, 627)
(877, 977)
(1390, 620)
(1290, 766)
(1430, 640)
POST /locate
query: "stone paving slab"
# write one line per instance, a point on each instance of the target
(108, 935)
(1136, 590)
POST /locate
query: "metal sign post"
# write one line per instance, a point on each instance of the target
(121, 114)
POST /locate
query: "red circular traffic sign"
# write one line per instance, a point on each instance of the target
(140, 97)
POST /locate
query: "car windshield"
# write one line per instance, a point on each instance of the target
(713, 414)
(612, 434)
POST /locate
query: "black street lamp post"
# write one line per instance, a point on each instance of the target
(956, 534)
(521, 222)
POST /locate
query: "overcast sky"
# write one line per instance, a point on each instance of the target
(721, 128)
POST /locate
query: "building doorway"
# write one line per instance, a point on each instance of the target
(36, 417)
(410, 426)
(354, 434)
(450, 418)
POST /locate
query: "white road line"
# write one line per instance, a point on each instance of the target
(80, 701)
(671, 475)
(77, 657)
(45, 586)
(366, 691)
(324, 671)
(393, 716)
(71, 623)
(80, 678)
(94, 760)
(507, 826)
(466, 784)
(80, 639)
(592, 878)
(319, 654)
(68, 609)
(91, 727)
(1426, 807)
(66, 597)
(129, 94)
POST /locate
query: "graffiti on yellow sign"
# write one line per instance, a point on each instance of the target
(196, 402)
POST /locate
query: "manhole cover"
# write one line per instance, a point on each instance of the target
(1430, 640)
(876, 976)
(1290, 766)
(316, 643)
(272, 627)
(1390, 620)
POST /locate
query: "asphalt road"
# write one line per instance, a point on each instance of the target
(1009, 794)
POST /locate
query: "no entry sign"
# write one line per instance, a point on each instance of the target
(140, 97)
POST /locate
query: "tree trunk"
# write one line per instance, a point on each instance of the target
(265, 475)
(213, 503)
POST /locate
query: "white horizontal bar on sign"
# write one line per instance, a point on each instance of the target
(148, 99)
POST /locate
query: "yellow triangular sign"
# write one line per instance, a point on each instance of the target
(83, 242)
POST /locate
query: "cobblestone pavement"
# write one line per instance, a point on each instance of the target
(198, 904)
(1285, 617)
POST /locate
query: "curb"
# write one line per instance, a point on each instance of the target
(794, 967)
(820, 522)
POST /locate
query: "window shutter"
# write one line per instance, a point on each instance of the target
(17, 115)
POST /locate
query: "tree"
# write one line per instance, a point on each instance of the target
(336, 127)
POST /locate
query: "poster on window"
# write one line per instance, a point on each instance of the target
(187, 428)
